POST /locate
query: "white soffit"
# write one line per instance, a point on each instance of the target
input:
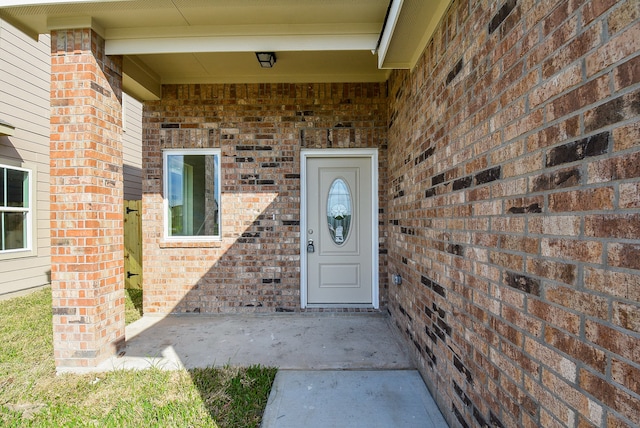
(314, 40)
(414, 26)
(139, 80)
(242, 67)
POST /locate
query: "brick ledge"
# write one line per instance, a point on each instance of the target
(193, 244)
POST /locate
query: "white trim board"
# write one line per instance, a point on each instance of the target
(372, 154)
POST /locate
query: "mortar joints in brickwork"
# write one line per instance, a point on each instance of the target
(431, 334)
(404, 312)
(459, 416)
(424, 156)
(462, 183)
(502, 14)
(85, 354)
(494, 421)
(488, 175)
(529, 209)
(462, 369)
(429, 283)
(407, 231)
(594, 145)
(557, 179)
(465, 400)
(523, 283)
(479, 418)
(455, 249)
(454, 72)
(482, 177)
(64, 311)
(100, 89)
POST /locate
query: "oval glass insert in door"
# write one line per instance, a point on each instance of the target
(339, 211)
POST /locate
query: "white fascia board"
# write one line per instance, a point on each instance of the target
(389, 28)
(322, 42)
(396, 66)
(255, 30)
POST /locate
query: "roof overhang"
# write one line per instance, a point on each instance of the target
(214, 41)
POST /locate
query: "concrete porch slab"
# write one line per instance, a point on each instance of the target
(335, 369)
(311, 341)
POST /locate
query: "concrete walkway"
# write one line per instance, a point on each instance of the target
(335, 369)
(381, 398)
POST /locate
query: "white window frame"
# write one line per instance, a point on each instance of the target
(165, 186)
(29, 214)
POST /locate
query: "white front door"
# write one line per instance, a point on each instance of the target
(340, 223)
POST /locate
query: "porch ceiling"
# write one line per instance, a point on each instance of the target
(214, 41)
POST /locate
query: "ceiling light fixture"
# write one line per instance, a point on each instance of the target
(266, 59)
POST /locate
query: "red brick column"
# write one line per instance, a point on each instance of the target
(87, 268)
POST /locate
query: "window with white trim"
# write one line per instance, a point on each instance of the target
(191, 194)
(15, 209)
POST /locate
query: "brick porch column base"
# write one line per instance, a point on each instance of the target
(87, 267)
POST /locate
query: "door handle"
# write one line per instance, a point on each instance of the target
(310, 247)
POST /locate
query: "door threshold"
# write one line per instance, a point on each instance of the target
(337, 307)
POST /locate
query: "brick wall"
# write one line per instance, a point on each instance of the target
(514, 212)
(260, 129)
(86, 199)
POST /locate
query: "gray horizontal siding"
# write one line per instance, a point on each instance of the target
(132, 148)
(24, 103)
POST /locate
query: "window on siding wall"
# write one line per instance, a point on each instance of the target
(15, 209)
(191, 194)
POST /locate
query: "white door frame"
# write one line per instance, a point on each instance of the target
(372, 154)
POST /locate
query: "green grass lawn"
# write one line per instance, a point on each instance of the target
(132, 305)
(32, 395)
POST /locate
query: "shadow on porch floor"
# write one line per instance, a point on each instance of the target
(336, 369)
(314, 341)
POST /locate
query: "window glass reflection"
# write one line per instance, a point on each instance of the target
(339, 211)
